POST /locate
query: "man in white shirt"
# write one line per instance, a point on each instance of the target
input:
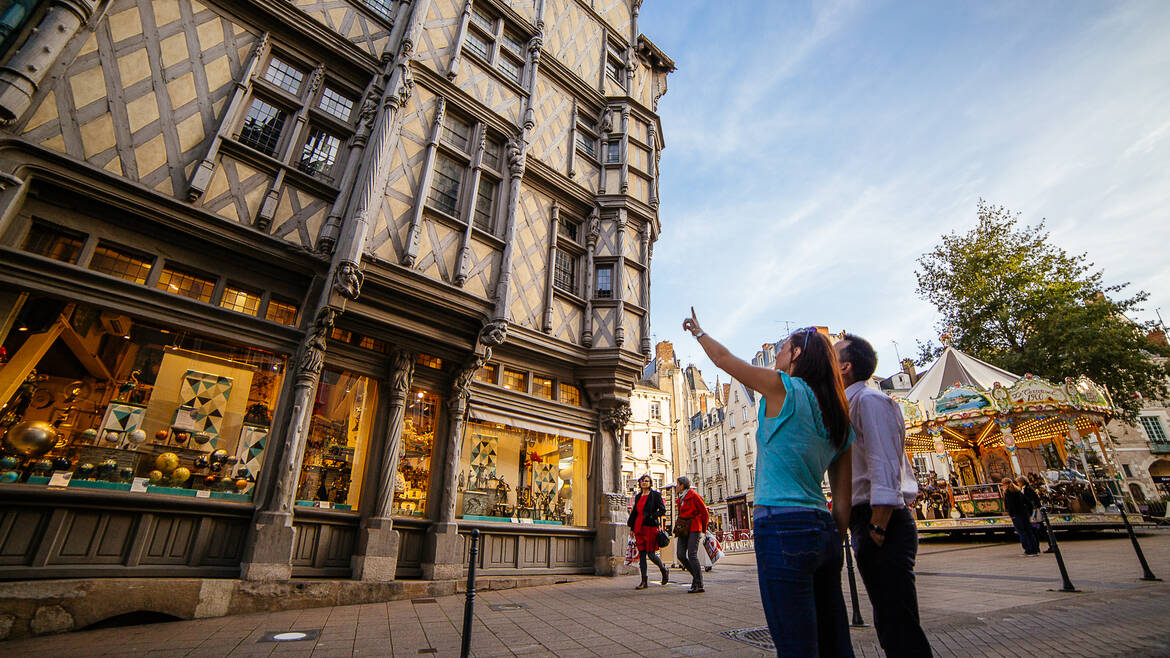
(885, 536)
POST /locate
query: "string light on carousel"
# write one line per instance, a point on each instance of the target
(985, 423)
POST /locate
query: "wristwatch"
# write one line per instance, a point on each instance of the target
(877, 529)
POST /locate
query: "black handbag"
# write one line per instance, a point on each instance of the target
(663, 539)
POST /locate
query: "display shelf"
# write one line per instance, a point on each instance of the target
(509, 519)
(99, 484)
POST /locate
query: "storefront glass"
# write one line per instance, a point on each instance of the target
(518, 475)
(338, 441)
(414, 463)
(97, 399)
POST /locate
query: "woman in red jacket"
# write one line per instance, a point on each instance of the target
(692, 507)
(648, 508)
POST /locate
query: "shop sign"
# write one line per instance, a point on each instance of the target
(1161, 479)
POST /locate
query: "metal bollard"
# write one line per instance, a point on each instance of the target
(1146, 573)
(1067, 586)
(857, 622)
(469, 604)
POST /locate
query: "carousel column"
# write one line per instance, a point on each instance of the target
(1009, 444)
(610, 504)
(269, 552)
(377, 556)
(1074, 437)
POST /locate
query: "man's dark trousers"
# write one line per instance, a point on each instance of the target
(888, 574)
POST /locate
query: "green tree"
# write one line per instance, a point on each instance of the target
(1010, 297)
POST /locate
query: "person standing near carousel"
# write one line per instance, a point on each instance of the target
(644, 515)
(803, 433)
(883, 530)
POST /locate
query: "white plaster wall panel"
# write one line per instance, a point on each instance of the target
(553, 108)
(368, 33)
(607, 239)
(486, 88)
(633, 242)
(613, 180)
(392, 223)
(612, 88)
(526, 8)
(588, 174)
(643, 90)
(299, 216)
(567, 318)
(616, 13)
(483, 269)
(633, 285)
(574, 38)
(438, 250)
(530, 256)
(639, 188)
(142, 94)
(633, 330)
(639, 157)
(440, 31)
(604, 325)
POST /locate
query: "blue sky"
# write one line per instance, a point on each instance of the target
(815, 150)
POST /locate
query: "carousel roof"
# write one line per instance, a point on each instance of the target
(955, 367)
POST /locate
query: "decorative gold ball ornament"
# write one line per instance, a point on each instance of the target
(155, 477)
(137, 436)
(201, 438)
(112, 437)
(167, 462)
(161, 435)
(32, 438)
(241, 484)
(180, 475)
(89, 435)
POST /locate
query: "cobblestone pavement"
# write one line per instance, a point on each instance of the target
(977, 599)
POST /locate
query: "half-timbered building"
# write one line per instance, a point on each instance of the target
(314, 288)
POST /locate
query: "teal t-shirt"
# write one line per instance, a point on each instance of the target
(793, 450)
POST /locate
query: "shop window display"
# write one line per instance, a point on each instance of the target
(96, 399)
(414, 462)
(338, 441)
(517, 475)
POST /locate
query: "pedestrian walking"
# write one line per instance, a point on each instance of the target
(1020, 510)
(883, 530)
(803, 432)
(689, 528)
(648, 508)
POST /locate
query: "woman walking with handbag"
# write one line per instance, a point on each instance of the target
(689, 528)
(644, 515)
(803, 432)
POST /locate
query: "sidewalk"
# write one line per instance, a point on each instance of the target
(976, 600)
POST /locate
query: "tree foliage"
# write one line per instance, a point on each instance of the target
(1010, 297)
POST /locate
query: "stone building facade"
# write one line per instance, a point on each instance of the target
(314, 289)
(1142, 451)
(647, 442)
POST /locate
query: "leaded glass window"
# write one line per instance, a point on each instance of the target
(262, 127)
(445, 186)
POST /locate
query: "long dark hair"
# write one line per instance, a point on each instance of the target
(817, 366)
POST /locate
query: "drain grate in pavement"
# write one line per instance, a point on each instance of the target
(504, 607)
(759, 638)
(289, 636)
(418, 601)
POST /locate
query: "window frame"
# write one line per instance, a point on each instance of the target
(290, 143)
(574, 265)
(597, 289)
(481, 141)
(1158, 425)
(494, 38)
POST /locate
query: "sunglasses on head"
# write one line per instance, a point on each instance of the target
(807, 332)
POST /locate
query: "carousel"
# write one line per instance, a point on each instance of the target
(970, 424)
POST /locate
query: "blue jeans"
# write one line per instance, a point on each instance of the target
(798, 554)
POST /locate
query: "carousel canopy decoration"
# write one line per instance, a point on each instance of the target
(962, 403)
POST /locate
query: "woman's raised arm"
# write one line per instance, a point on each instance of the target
(763, 380)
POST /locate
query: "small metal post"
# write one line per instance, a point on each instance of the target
(1067, 586)
(1146, 573)
(469, 604)
(857, 622)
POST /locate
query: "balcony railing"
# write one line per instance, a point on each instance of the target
(1160, 447)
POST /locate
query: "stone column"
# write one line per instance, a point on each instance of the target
(269, 552)
(377, 555)
(28, 66)
(443, 549)
(610, 546)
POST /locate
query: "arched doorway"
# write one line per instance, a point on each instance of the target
(1160, 474)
